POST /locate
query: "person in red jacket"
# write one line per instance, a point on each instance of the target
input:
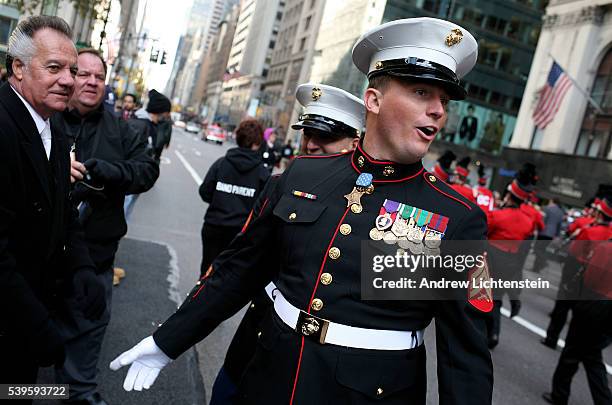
(508, 227)
(529, 208)
(484, 197)
(580, 248)
(589, 216)
(591, 324)
(442, 169)
(460, 179)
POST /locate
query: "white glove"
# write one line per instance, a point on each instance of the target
(146, 360)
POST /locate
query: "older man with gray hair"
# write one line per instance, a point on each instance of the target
(42, 253)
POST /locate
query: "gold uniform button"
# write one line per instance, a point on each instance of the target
(252, 306)
(198, 283)
(356, 208)
(432, 178)
(326, 279)
(345, 229)
(317, 304)
(379, 391)
(292, 216)
(258, 334)
(334, 253)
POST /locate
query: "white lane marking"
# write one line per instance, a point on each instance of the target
(197, 152)
(174, 272)
(165, 160)
(190, 169)
(539, 331)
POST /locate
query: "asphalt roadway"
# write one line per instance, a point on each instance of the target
(162, 253)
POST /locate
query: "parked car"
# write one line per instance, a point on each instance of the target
(214, 134)
(192, 127)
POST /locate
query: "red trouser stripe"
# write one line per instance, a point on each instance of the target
(297, 372)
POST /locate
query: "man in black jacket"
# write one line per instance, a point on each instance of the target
(154, 129)
(231, 187)
(114, 163)
(42, 252)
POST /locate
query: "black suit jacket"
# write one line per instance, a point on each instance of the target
(40, 242)
(469, 127)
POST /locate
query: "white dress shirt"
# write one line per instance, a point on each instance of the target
(43, 126)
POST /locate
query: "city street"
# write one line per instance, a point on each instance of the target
(161, 255)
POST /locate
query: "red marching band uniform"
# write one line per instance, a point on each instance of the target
(508, 228)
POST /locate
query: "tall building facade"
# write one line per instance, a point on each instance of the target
(128, 46)
(79, 16)
(9, 16)
(204, 18)
(574, 151)
(182, 53)
(200, 74)
(214, 72)
(291, 61)
(250, 56)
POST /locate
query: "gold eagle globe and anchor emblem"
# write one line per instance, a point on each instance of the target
(454, 37)
(316, 93)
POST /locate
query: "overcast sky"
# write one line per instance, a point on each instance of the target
(166, 21)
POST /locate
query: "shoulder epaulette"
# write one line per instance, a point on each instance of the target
(435, 183)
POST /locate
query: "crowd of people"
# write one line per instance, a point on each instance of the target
(288, 244)
(68, 163)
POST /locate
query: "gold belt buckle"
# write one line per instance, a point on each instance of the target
(312, 326)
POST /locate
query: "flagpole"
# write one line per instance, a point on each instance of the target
(584, 93)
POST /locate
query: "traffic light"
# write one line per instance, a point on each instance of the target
(163, 58)
(154, 55)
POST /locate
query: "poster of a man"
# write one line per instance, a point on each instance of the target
(452, 122)
(493, 133)
(469, 127)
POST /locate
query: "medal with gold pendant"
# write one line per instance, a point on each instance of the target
(376, 234)
(403, 242)
(415, 248)
(432, 239)
(363, 185)
(401, 226)
(389, 238)
(420, 218)
(384, 221)
(435, 231)
(415, 234)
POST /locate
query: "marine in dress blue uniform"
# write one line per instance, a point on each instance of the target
(323, 343)
(332, 121)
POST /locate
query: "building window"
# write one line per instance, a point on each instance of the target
(430, 5)
(49, 7)
(497, 25)
(302, 43)
(595, 135)
(6, 25)
(473, 16)
(307, 23)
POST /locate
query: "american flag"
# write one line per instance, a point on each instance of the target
(551, 96)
